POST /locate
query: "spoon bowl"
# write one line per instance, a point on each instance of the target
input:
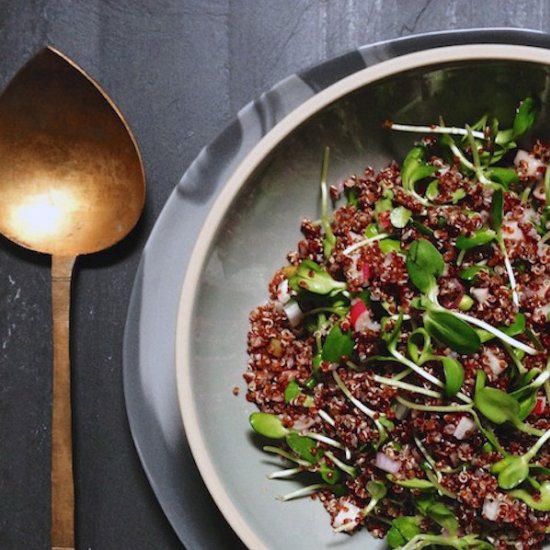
(71, 183)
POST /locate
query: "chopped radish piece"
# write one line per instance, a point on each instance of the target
(358, 307)
(366, 272)
(540, 406)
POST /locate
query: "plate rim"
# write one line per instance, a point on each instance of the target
(188, 296)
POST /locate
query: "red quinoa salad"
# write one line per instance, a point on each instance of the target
(401, 364)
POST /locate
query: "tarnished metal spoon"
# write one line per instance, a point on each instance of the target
(71, 183)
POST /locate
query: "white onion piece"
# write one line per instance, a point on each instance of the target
(538, 192)
(480, 294)
(283, 295)
(464, 428)
(534, 167)
(491, 507)
(293, 312)
(348, 516)
(494, 362)
(384, 462)
(512, 231)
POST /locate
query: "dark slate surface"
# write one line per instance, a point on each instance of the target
(179, 70)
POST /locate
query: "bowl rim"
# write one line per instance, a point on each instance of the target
(187, 301)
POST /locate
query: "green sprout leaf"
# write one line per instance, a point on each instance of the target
(454, 375)
(292, 391)
(539, 502)
(445, 517)
(424, 264)
(479, 238)
(337, 345)
(303, 446)
(403, 529)
(268, 425)
(400, 217)
(525, 117)
(451, 331)
(496, 405)
(497, 210)
(389, 245)
(511, 471)
(502, 176)
(470, 273)
(415, 168)
(312, 277)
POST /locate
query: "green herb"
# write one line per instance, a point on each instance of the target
(452, 331)
(377, 491)
(424, 264)
(480, 238)
(539, 502)
(337, 345)
(292, 391)
(400, 217)
(312, 277)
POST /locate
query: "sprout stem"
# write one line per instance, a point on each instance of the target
(364, 242)
(434, 130)
(406, 386)
(304, 492)
(284, 474)
(496, 332)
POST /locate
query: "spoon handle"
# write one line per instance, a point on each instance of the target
(63, 507)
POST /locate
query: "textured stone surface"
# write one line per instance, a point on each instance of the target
(178, 70)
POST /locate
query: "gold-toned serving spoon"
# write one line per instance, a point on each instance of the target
(71, 183)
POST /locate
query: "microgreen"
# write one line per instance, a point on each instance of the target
(498, 406)
(403, 529)
(540, 502)
(312, 277)
(415, 169)
(512, 470)
(377, 491)
(338, 345)
(292, 391)
(400, 217)
(424, 264)
(480, 238)
(452, 331)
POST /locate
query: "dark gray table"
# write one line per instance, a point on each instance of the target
(179, 70)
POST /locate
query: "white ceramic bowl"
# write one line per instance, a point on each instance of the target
(255, 222)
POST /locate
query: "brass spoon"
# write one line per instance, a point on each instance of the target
(71, 183)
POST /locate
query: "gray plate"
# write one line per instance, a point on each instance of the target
(149, 371)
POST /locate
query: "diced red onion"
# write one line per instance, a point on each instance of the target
(293, 312)
(384, 462)
(464, 428)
